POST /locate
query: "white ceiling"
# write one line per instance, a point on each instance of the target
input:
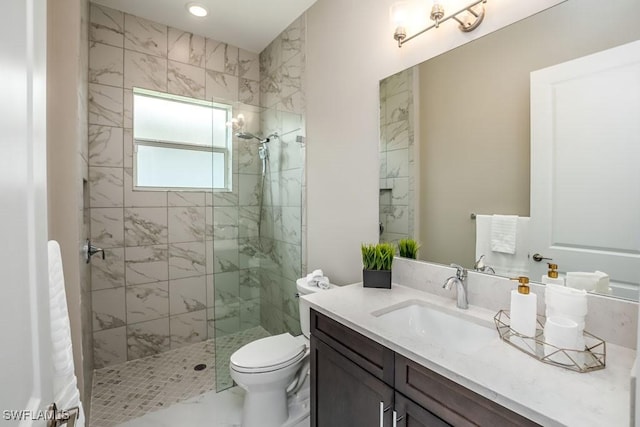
(248, 24)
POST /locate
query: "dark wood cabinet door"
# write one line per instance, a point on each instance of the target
(450, 401)
(410, 414)
(344, 394)
(371, 356)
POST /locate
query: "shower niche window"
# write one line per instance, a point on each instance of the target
(180, 143)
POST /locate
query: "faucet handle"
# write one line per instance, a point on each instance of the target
(461, 272)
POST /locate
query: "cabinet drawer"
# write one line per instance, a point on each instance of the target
(368, 354)
(450, 401)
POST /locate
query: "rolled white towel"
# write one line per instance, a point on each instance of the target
(324, 283)
(582, 280)
(603, 282)
(314, 275)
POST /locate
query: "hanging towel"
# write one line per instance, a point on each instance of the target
(503, 233)
(65, 387)
(503, 264)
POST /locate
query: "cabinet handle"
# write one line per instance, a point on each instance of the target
(396, 418)
(382, 411)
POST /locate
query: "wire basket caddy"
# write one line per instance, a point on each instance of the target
(592, 358)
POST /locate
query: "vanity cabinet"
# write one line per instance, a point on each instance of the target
(352, 377)
(358, 382)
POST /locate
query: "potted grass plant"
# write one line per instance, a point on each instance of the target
(376, 265)
(408, 248)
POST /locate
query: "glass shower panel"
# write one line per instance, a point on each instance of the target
(236, 252)
(257, 253)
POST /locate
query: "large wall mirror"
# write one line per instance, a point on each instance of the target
(456, 135)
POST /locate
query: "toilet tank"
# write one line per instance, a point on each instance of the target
(305, 289)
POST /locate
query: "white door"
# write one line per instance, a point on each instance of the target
(25, 364)
(585, 164)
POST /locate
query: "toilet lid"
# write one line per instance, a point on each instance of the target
(268, 354)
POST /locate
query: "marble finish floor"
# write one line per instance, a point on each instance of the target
(133, 389)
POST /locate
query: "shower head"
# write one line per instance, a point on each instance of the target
(248, 135)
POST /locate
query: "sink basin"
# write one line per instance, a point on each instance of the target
(427, 323)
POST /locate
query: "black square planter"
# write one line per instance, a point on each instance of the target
(376, 279)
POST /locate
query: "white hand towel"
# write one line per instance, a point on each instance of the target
(503, 233)
(65, 389)
(504, 264)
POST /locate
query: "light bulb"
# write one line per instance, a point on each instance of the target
(197, 9)
(399, 13)
(437, 11)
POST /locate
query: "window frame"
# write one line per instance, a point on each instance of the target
(227, 150)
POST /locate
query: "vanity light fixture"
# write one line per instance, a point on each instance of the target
(236, 123)
(469, 18)
(196, 9)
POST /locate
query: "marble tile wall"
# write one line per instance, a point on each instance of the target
(282, 98)
(179, 265)
(397, 165)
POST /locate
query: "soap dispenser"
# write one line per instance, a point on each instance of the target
(523, 308)
(551, 278)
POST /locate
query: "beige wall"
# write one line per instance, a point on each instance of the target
(67, 167)
(350, 48)
(475, 117)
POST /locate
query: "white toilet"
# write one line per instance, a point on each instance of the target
(272, 369)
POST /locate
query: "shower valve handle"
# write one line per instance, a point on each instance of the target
(90, 250)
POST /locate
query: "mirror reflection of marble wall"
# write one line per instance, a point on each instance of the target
(473, 120)
(397, 157)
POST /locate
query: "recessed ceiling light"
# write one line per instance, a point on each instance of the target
(196, 9)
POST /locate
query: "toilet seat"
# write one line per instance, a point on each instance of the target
(268, 354)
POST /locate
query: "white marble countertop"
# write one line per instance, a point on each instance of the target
(547, 394)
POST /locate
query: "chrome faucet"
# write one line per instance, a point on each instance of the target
(461, 286)
(482, 267)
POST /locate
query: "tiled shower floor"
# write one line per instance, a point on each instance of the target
(132, 389)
